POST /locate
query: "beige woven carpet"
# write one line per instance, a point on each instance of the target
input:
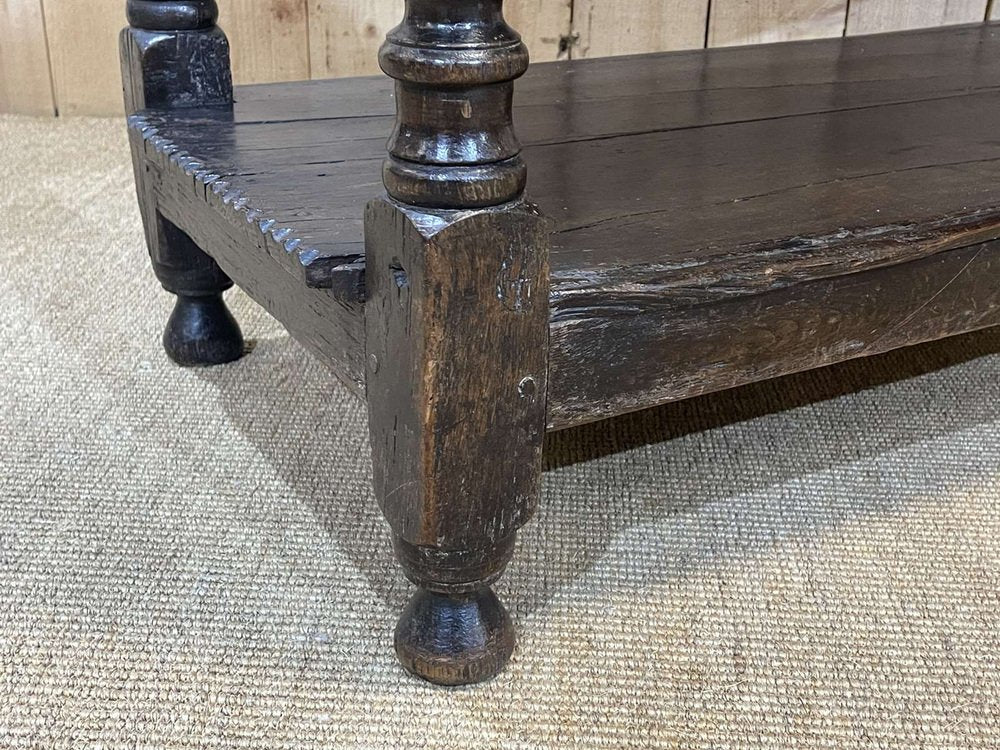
(194, 559)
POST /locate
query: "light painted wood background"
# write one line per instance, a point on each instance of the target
(60, 56)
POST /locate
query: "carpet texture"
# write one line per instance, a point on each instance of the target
(194, 558)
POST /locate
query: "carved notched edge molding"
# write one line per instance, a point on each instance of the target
(343, 275)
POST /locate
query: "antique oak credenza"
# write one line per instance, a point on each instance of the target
(696, 221)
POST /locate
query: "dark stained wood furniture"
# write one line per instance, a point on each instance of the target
(697, 221)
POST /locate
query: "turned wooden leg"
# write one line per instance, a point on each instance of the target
(200, 331)
(456, 325)
(454, 630)
(174, 56)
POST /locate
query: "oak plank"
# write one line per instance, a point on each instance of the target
(622, 362)
(738, 22)
(253, 258)
(25, 82)
(344, 37)
(820, 74)
(594, 123)
(607, 29)
(638, 356)
(542, 24)
(268, 39)
(876, 16)
(83, 48)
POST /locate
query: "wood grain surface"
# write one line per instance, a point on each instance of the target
(726, 185)
(443, 399)
(605, 28)
(875, 16)
(278, 40)
(83, 52)
(344, 37)
(740, 22)
(313, 179)
(25, 83)
(266, 39)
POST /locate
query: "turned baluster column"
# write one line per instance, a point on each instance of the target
(457, 333)
(454, 144)
(174, 57)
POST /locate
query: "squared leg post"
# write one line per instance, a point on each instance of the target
(456, 324)
(174, 56)
(457, 331)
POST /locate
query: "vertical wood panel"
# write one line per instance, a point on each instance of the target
(274, 39)
(25, 83)
(344, 36)
(83, 48)
(873, 16)
(268, 39)
(761, 21)
(609, 27)
(542, 24)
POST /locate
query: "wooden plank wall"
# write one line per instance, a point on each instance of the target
(59, 56)
(25, 84)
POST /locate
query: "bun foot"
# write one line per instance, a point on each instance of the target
(202, 332)
(454, 639)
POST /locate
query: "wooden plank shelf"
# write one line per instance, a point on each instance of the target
(720, 216)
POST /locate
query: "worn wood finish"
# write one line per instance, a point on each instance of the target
(25, 83)
(764, 21)
(310, 154)
(694, 360)
(219, 219)
(173, 56)
(714, 346)
(441, 402)
(637, 237)
(456, 420)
